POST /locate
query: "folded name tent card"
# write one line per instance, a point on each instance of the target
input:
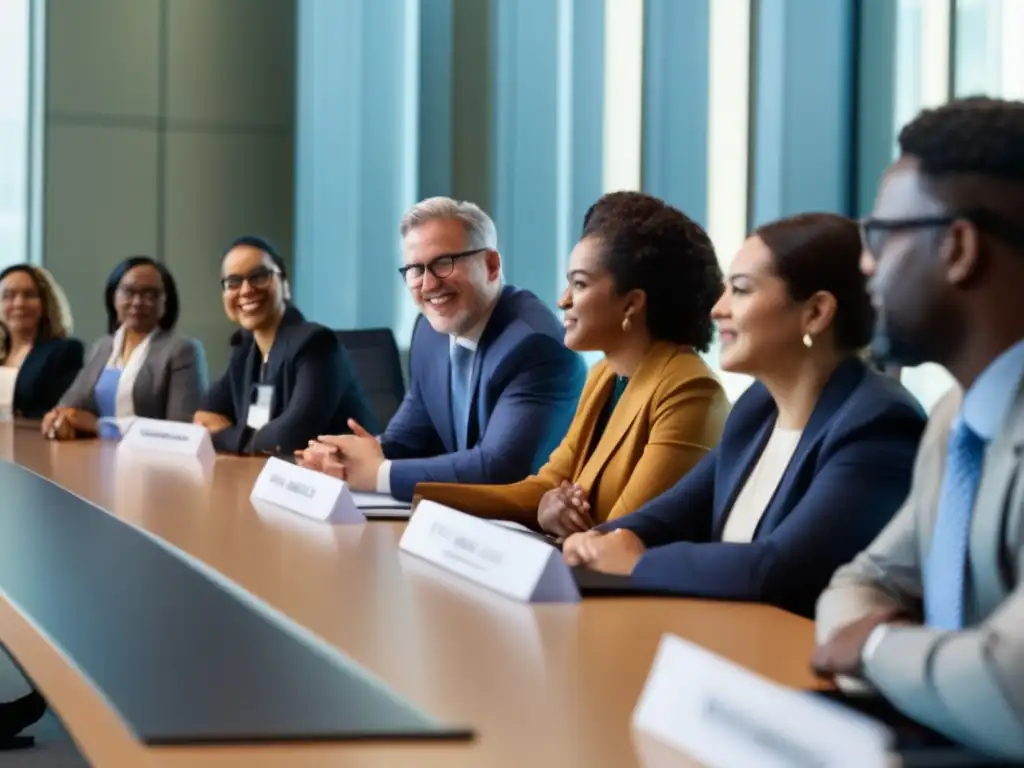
(726, 716)
(521, 567)
(167, 437)
(306, 492)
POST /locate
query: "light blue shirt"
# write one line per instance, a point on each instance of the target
(989, 399)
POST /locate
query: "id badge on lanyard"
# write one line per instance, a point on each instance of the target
(259, 408)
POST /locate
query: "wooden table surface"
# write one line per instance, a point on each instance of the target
(541, 685)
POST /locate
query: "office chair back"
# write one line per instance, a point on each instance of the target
(374, 354)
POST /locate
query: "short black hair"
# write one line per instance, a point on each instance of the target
(815, 252)
(976, 135)
(171, 304)
(651, 246)
(261, 244)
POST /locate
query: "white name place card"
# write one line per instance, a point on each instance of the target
(725, 716)
(171, 437)
(521, 567)
(306, 492)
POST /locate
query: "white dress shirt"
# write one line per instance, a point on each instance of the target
(8, 378)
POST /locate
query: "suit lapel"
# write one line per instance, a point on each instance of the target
(737, 473)
(279, 353)
(441, 384)
(601, 454)
(637, 395)
(1000, 474)
(144, 388)
(833, 398)
(495, 324)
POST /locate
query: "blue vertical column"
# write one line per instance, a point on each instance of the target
(803, 128)
(437, 31)
(876, 97)
(547, 70)
(356, 156)
(675, 105)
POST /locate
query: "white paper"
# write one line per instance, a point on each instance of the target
(378, 501)
(521, 567)
(306, 492)
(726, 716)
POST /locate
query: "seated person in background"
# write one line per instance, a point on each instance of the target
(642, 282)
(931, 615)
(816, 455)
(141, 368)
(492, 386)
(40, 360)
(287, 380)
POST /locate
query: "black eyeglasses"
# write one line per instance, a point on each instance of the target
(440, 267)
(149, 295)
(873, 231)
(258, 278)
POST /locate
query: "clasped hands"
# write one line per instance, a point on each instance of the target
(565, 512)
(354, 458)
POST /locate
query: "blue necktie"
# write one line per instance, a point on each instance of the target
(462, 371)
(946, 567)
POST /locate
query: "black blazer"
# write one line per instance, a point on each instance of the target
(315, 389)
(46, 374)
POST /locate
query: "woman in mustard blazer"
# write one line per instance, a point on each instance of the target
(642, 281)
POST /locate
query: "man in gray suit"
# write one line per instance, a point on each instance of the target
(931, 615)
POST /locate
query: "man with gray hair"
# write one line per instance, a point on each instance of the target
(493, 388)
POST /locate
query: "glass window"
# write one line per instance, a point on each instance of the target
(989, 59)
(922, 80)
(14, 133)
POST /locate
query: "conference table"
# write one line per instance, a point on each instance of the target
(540, 685)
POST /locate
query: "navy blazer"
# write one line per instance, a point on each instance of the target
(315, 389)
(850, 473)
(525, 386)
(44, 376)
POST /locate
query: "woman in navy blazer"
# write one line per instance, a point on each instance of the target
(288, 381)
(816, 456)
(39, 360)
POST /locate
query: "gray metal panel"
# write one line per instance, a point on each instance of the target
(102, 60)
(181, 658)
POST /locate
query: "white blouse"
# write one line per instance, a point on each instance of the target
(8, 378)
(757, 492)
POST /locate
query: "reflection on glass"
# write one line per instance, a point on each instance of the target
(989, 58)
(922, 80)
(14, 107)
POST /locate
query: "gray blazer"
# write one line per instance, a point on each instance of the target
(970, 684)
(169, 385)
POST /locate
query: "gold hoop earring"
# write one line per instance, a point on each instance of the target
(626, 324)
(808, 341)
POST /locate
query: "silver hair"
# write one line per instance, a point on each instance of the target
(480, 230)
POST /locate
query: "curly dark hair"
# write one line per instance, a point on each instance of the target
(976, 135)
(815, 252)
(650, 246)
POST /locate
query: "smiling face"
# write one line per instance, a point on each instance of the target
(457, 301)
(594, 311)
(139, 300)
(254, 293)
(21, 304)
(759, 325)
